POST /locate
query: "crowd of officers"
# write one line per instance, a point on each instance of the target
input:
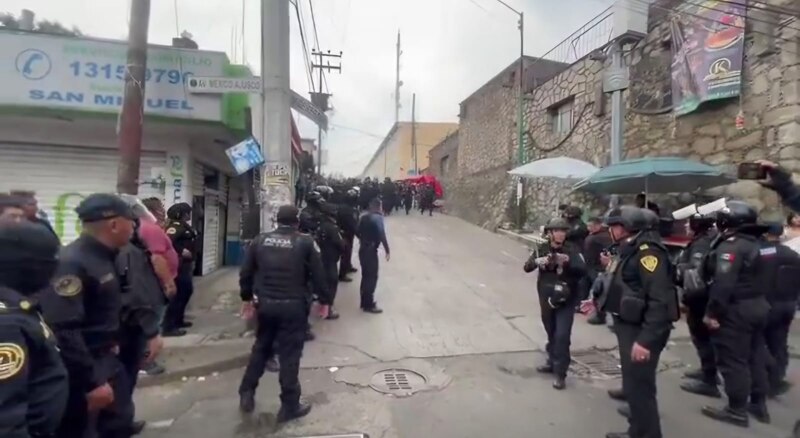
(78, 323)
(302, 260)
(735, 282)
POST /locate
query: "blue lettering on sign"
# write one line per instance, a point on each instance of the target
(172, 104)
(107, 99)
(60, 96)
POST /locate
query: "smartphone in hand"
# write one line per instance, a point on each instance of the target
(751, 171)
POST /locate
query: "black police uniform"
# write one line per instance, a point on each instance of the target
(84, 308)
(33, 379)
(695, 298)
(557, 286)
(642, 298)
(371, 234)
(781, 274)
(276, 271)
(311, 215)
(347, 220)
(183, 237)
(331, 245)
(737, 301)
(593, 247)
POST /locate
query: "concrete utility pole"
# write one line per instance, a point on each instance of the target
(131, 120)
(276, 114)
(414, 131)
(397, 82)
(319, 98)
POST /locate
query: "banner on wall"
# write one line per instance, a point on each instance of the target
(708, 52)
(89, 74)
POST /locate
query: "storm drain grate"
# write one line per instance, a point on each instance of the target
(398, 381)
(594, 361)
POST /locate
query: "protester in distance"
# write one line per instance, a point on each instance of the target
(31, 208)
(33, 380)
(561, 268)
(11, 209)
(737, 313)
(643, 301)
(84, 307)
(371, 234)
(595, 244)
(274, 280)
(183, 238)
(427, 198)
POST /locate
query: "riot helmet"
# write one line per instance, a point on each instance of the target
(314, 198)
(557, 224)
(572, 212)
(736, 214)
(628, 217)
(699, 223)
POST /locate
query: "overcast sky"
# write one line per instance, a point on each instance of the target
(450, 48)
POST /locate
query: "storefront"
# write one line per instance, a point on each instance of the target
(59, 105)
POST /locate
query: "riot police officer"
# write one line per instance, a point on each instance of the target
(694, 300)
(331, 246)
(737, 312)
(577, 228)
(34, 388)
(276, 271)
(347, 220)
(84, 306)
(311, 214)
(780, 276)
(642, 299)
(561, 268)
(371, 234)
(184, 239)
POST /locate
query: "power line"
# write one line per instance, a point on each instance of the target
(177, 26)
(316, 39)
(306, 59)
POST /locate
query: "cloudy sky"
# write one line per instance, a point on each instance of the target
(450, 48)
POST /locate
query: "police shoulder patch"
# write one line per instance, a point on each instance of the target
(643, 247)
(12, 359)
(68, 285)
(171, 230)
(25, 305)
(649, 262)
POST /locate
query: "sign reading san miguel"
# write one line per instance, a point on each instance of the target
(89, 74)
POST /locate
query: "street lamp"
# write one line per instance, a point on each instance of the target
(520, 91)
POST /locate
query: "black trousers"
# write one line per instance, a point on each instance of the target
(741, 355)
(331, 267)
(701, 338)
(346, 265)
(176, 309)
(776, 336)
(639, 382)
(368, 256)
(408, 204)
(558, 325)
(131, 353)
(281, 325)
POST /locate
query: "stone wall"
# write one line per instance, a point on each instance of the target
(770, 103)
(443, 159)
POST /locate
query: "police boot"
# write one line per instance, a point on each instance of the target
(332, 314)
(597, 318)
(310, 336)
(699, 375)
(625, 411)
(759, 411)
(560, 383)
(136, 427)
(545, 369)
(727, 415)
(617, 394)
(345, 279)
(272, 365)
(247, 401)
(290, 413)
(779, 388)
(701, 388)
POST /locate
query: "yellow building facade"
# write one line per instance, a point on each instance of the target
(395, 156)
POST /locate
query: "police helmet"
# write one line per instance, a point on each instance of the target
(736, 214)
(179, 211)
(556, 224)
(571, 212)
(699, 223)
(629, 217)
(352, 193)
(313, 197)
(652, 219)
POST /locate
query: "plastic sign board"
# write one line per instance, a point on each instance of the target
(245, 155)
(216, 85)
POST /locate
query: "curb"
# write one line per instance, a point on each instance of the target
(227, 364)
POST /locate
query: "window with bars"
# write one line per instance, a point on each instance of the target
(561, 117)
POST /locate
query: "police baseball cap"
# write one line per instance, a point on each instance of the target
(103, 206)
(288, 215)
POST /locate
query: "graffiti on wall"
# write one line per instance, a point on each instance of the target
(64, 213)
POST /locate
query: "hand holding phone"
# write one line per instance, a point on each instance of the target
(751, 171)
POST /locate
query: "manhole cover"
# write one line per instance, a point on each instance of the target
(593, 361)
(398, 381)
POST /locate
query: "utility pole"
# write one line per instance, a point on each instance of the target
(131, 120)
(615, 81)
(414, 132)
(276, 113)
(250, 219)
(319, 98)
(397, 82)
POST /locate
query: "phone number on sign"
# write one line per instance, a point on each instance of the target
(110, 71)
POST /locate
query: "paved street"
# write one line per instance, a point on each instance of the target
(460, 311)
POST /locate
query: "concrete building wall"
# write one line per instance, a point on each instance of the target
(395, 156)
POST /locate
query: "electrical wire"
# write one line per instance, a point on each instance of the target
(316, 39)
(305, 46)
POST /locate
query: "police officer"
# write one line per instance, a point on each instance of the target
(737, 312)
(184, 239)
(347, 220)
(694, 300)
(371, 234)
(331, 246)
(276, 271)
(33, 380)
(84, 307)
(577, 228)
(596, 242)
(780, 277)
(310, 215)
(561, 268)
(642, 299)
